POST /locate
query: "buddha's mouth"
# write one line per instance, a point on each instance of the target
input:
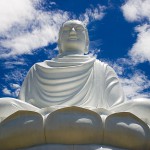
(73, 38)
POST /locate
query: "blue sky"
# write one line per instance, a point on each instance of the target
(119, 32)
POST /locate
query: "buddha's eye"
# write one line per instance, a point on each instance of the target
(79, 29)
(66, 28)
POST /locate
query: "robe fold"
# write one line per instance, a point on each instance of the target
(72, 80)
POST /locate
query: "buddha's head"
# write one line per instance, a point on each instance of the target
(73, 37)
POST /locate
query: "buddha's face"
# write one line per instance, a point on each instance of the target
(73, 36)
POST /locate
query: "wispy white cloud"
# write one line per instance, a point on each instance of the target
(13, 82)
(139, 10)
(13, 63)
(118, 69)
(135, 85)
(92, 14)
(94, 52)
(12, 90)
(134, 82)
(16, 76)
(6, 91)
(15, 11)
(136, 10)
(14, 86)
(24, 28)
(140, 50)
(52, 3)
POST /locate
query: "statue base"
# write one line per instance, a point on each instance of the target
(72, 147)
(74, 128)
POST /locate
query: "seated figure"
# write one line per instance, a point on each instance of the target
(81, 89)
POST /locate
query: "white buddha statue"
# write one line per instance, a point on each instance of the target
(74, 78)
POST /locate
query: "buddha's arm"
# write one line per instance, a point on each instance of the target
(25, 88)
(113, 93)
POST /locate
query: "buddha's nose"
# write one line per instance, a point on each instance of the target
(73, 31)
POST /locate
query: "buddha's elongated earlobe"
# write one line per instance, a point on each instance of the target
(59, 40)
(87, 42)
(59, 46)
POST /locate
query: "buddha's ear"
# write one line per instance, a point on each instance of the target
(87, 42)
(59, 47)
(59, 41)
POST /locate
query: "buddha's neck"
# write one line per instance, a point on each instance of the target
(71, 52)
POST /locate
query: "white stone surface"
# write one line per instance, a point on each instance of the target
(74, 125)
(21, 129)
(126, 130)
(9, 106)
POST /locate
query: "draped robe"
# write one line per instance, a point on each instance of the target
(72, 80)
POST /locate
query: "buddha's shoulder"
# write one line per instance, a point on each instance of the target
(101, 63)
(40, 65)
(104, 66)
(47, 62)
